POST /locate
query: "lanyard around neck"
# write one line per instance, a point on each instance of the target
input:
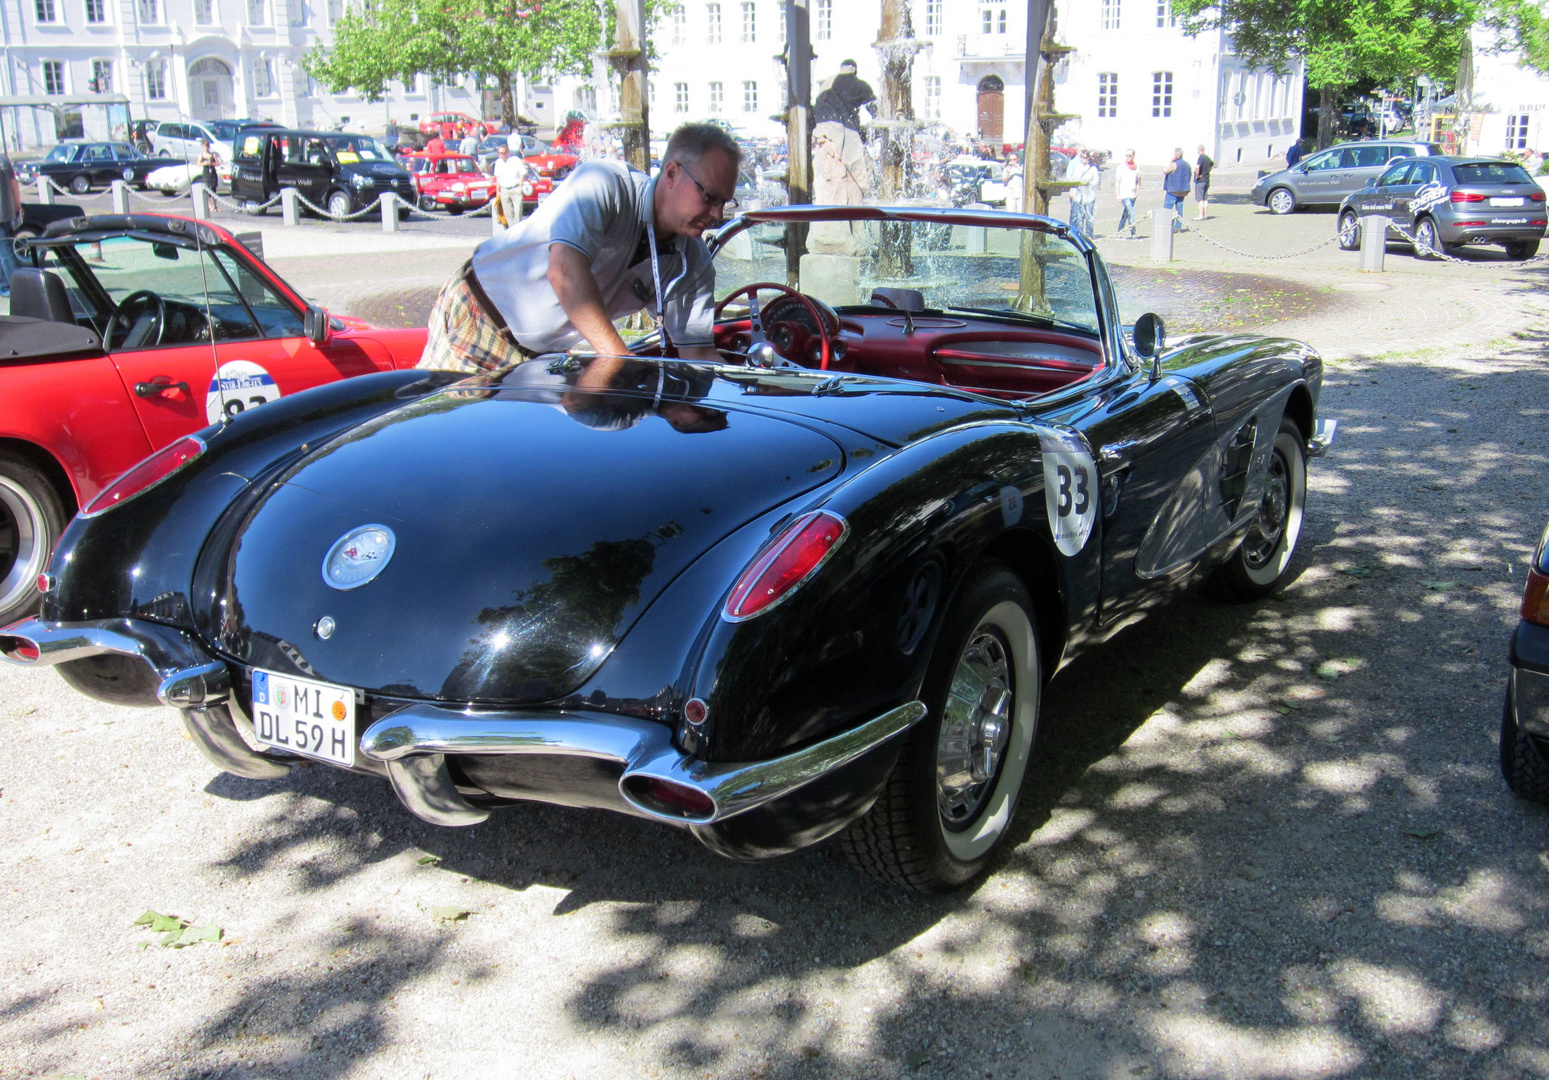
(668, 348)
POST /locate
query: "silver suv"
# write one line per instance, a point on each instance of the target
(1325, 178)
(1442, 203)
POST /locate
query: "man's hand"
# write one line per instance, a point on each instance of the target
(570, 273)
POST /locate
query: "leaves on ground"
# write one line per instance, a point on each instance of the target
(177, 932)
(1440, 586)
(1421, 834)
(449, 914)
(428, 860)
(1357, 571)
(1333, 669)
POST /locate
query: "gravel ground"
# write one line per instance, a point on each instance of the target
(1261, 841)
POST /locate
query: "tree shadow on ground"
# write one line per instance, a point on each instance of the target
(1259, 841)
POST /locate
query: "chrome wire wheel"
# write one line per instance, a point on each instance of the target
(1260, 562)
(1258, 547)
(975, 728)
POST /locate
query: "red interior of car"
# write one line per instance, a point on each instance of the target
(982, 355)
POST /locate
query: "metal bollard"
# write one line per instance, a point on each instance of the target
(290, 209)
(45, 191)
(1162, 234)
(389, 203)
(120, 197)
(201, 200)
(1374, 242)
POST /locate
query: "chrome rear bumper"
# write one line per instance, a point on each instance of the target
(658, 780)
(1322, 437)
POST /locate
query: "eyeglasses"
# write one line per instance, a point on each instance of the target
(711, 201)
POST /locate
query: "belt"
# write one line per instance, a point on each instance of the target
(491, 312)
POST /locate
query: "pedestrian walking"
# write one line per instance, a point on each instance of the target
(1126, 188)
(1293, 153)
(511, 174)
(1202, 168)
(1015, 184)
(208, 163)
(1175, 186)
(1083, 198)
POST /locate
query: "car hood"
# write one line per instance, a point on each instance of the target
(532, 526)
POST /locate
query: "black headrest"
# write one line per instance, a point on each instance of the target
(40, 294)
(902, 299)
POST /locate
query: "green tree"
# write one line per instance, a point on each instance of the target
(1343, 43)
(490, 40)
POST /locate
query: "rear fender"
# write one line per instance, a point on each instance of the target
(138, 559)
(856, 638)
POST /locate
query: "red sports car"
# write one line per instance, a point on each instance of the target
(445, 123)
(452, 182)
(552, 167)
(127, 332)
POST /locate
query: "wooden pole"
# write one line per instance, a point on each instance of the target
(798, 130)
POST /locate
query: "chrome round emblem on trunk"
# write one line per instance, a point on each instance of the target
(358, 556)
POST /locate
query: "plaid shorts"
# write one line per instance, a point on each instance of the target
(462, 335)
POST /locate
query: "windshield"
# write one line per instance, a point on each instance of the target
(352, 148)
(62, 152)
(971, 268)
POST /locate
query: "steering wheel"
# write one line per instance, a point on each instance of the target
(756, 326)
(128, 321)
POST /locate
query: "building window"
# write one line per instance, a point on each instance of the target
(680, 97)
(96, 11)
(1161, 93)
(932, 108)
(150, 12)
(713, 17)
(45, 11)
(715, 97)
(750, 96)
(749, 22)
(993, 20)
(1110, 14)
(53, 76)
(204, 12)
(825, 30)
(255, 12)
(679, 27)
(1516, 132)
(1164, 14)
(263, 77)
(156, 80)
(102, 76)
(933, 17)
(335, 11)
(780, 26)
(1107, 94)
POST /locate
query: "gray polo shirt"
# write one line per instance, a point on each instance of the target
(601, 211)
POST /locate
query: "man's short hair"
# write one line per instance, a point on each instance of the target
(693, 141)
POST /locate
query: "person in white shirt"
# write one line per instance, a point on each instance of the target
(469, 145)
(1015, 184)
(1083, 199)
(1126, 188)
(610, 242)
(510, 173)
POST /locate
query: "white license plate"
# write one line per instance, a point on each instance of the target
(304, 716)
(1519, 201)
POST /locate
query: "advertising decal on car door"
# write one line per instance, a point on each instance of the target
(237, 386)
(1069, 488)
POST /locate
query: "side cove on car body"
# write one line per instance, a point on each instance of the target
(814, 590)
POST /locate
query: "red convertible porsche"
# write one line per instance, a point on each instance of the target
(450, 182)
(128, 332)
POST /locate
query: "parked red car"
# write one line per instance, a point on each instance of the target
(445, 123)
(552, 167)
(450, 182)
(128, 332)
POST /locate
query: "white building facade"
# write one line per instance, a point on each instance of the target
(1508, 109)
(204, 59)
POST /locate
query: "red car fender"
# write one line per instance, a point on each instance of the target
(393, 348)
(79, 413)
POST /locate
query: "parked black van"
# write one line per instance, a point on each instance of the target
(338, 171)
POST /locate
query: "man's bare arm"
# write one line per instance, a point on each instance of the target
(570, 273)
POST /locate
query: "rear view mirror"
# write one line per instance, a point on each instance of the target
(314, 322)
(164, 251)
(1150, 336)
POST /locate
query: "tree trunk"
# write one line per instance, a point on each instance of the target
(634, 112)
(507, 100)
(798, 128)
(1328, 115)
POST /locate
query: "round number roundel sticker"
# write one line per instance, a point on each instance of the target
(238, 385)
(1070, 488)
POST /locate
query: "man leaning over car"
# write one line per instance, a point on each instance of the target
(608, 243)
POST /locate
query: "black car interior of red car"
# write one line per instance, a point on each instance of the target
(1002, 355)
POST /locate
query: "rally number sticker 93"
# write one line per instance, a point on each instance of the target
(1069, 488)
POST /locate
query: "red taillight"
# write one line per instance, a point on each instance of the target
(1535, 599)
(1467, 196)
(675, 797)
(146, 475)
(1536, 196)
(19, 649)
(1467, 224)
(790, 558)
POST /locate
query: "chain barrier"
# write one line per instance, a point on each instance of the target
(80, 198)
(160, 197)
(1250, 255)
(374, 208)
(1424, 249)
(241, 207)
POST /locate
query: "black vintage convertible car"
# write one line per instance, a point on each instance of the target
(815, 589)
